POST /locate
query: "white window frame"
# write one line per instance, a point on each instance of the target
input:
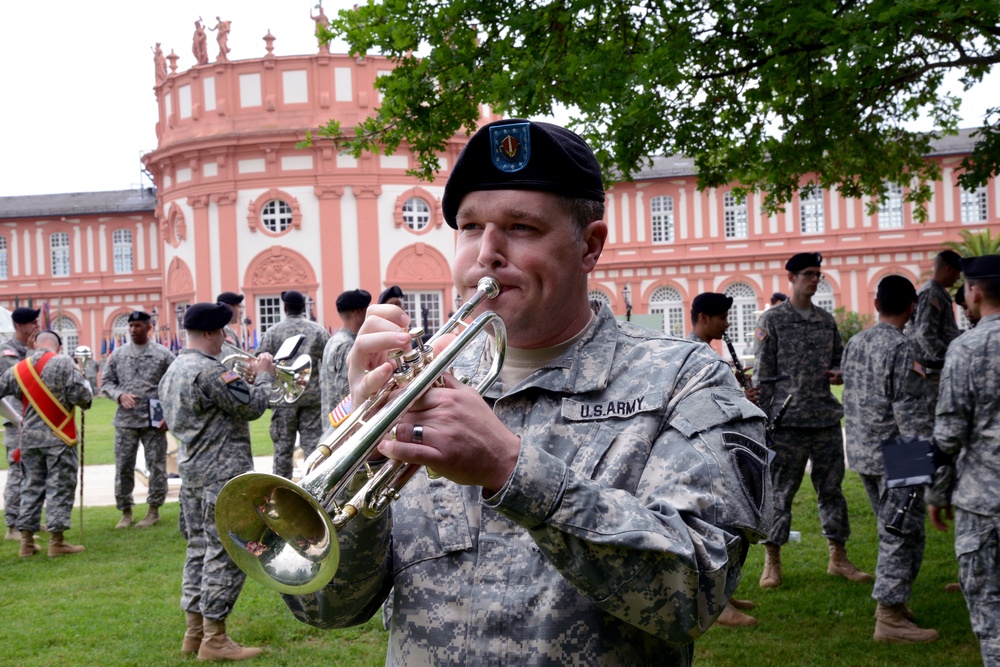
(742, 316)
(734, 213)
(59, 254)
(3, 258)
(416, 214)
(269, 312)
(425, 309)
(890, 212)
(276, 216)
(661, 218)
(66, 328)
(121, 242)
(823, 298)
(811, 215)
(666, 302)
(974, 205)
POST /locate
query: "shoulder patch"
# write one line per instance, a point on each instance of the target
(936, 303)
(230, 376)
(239, 389)
(9, 353)
(919, 369)
(760, 334)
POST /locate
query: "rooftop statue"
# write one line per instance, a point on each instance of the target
(223, 39)
(200, 44)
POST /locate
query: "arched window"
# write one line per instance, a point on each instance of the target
(424, 309)
(276, 216)
(666, 302)
(662, 218)
(3, 258)
(416, 213)
(824, 297)
(599, 296)
(742, 318)
(59, 252)
(66, 328)
(121, 241)
(119, 329)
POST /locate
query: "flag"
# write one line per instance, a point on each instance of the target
(254, 339)
(104, 346)
(111, 347)
(46, 317)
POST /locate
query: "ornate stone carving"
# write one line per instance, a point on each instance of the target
(179, 279)
(279, 269)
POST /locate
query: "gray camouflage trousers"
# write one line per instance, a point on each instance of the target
(211, 582)
(793, 448)
(286, 421)
(154, 444)
(49, 479)
(899, 556)
(977, 546)
(15, 478)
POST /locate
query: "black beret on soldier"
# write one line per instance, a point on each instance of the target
(803, 260)
(518, 154)
(231, 298)
(356, 299)
(139, 316)
(207, 316)
(293, 298)
(24, 315)
(986, 267)
(393, 292)
(711, 303)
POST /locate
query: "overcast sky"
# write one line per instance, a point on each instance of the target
(77, 81)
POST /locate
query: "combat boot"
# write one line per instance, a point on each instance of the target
(60, 547)
(732, 617)
(216, 645)
(195, 631)
(840, 565)
(13, 534)
(151, 519)
(892, 626)
(771, 577)
(28, 546)
(126, 519)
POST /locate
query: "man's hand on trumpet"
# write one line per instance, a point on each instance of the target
(263, 364)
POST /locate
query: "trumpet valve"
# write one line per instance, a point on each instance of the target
(404, 372)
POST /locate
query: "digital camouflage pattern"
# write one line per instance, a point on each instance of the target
(885, 395)
(933, 326)
(208, 409)
(618, 539)
(11, 352)
(231, 338)
(49, 465)
(968, 425)
(302, 417)
(334, 385)
(137, 370)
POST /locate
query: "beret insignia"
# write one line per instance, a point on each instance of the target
(511, 145)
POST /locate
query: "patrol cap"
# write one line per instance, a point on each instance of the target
(711, 303)
(894, 294)
(518, 154)
(207, 316)
(392, 293)
(24, 315)
(293, 298)
(232, 298)
(355, 299)
(139, 316)
(803, 260)
(985, 267)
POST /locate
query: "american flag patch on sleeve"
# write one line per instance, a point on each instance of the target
(341, 412)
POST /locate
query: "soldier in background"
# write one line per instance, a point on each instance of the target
(392, 295)
(13, 350)
(933, 326)
(208, 408)
(960, 302)
(235, 302)
(334, 385)
(130, 378)
(777, 298)
(885, 396)
(303, 416)
(48, 440)
(967, 427)
(798, 343)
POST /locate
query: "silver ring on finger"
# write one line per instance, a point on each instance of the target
(418, 434)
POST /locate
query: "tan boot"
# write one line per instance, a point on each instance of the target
(741, 604)
(126, 519)
(216, 645)
(732, 617)
(151, 519)
(13, 534)
(60, 547)
(840, 565)
(28, 546)
(194, 632)
(771, 577)
(892, 626)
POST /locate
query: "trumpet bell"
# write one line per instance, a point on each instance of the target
(277, 533)
(291, 379)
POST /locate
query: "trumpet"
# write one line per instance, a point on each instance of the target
(284, 535)
(290, 379)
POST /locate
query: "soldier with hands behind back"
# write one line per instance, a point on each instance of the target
(13, 350)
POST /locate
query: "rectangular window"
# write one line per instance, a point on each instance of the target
(3, 258)
(268, 312)
(59, 253)
(735, 216)
(121, 240)
(811, 210)
(974, 205)
(662, 219)
(890, 212)
(424, 309)
(673, 319)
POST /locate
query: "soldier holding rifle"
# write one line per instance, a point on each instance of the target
(885, 396)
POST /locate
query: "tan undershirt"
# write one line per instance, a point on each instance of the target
(520, 363)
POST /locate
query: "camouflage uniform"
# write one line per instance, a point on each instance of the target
(334, 385)
(50, 466)
(303, 416)
(885, 395)
(800, 350)
(231, 338)
(933, 327)
(11, 352)
(208, 409)
(968, 424)
(618, 538)
(131, 369)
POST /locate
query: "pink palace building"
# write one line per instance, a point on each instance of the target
(237, 207)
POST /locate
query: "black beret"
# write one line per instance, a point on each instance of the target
(984, 267)
(392, 293)
(803, 260)
(354, 300)
(951, 258)
(517, 154)
(894, 294)
(24, 315)
(779, 296)
(232, 298)
(960, 296)
(293, 298)
(711, 303)
(139, 316)
(207, 316)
